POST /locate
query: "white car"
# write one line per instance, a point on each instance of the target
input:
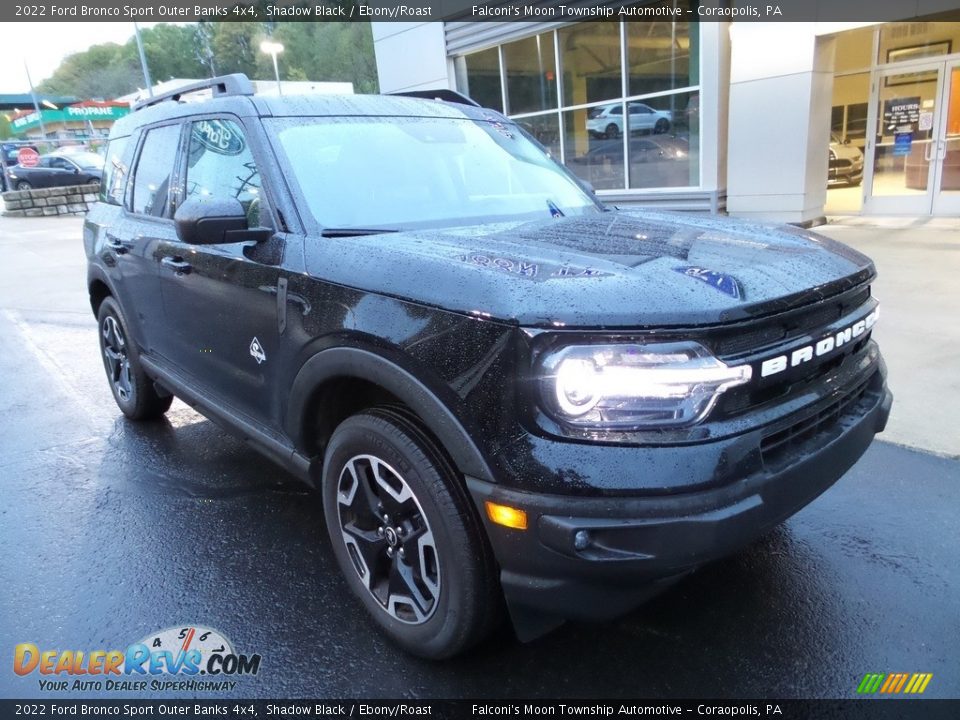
(606, 121)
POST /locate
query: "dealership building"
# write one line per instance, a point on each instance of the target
(784, 121)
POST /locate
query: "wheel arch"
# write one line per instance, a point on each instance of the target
(99, 290)
(348, 379)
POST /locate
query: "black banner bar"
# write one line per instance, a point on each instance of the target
(467, 10)
(865, 709)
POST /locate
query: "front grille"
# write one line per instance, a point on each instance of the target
(767, 337)
(780, 446)
(762, 334)
(744, 398)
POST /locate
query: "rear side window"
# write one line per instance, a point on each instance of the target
(151, 180)
(115, 172)
(220, 165)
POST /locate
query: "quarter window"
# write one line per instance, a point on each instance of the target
(151, 181)
(115, 172)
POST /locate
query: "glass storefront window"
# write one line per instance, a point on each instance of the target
(900, 42)
(594, 157)
(661, 118)
(590, 57)
(661, 56)
(853, 50)
(531, 70)
(664, 144)
(483, 78)
(546, 129)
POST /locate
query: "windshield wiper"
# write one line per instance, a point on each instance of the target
(353, 232)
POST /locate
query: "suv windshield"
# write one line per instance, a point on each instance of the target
(406, 172)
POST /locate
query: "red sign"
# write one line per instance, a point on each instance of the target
(28, 157)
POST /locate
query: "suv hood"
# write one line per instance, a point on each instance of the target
(615, 269)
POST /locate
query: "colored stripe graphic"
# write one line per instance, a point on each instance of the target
(894, 683)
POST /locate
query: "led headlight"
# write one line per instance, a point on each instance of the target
(635, 386)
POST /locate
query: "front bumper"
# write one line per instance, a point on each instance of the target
(598, 557)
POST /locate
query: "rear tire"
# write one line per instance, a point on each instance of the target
(661, 126)
(132, 389)
(406, 537)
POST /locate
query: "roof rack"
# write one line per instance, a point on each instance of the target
(440, 94)
(235, 84)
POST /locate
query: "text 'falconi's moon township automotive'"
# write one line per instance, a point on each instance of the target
(510, 396)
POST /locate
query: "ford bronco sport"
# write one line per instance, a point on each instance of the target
(508, 395)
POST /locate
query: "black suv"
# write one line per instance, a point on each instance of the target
(508, 395)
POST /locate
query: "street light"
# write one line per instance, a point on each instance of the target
(273, 49)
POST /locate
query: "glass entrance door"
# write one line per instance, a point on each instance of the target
(903, 151)
(946, 198)
(913, 153)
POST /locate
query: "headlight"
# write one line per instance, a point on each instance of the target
(629, 386)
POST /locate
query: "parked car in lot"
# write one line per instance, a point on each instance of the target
(506, 393)
(58, 170)
(10, 152)
(606, 121)
(846, 162)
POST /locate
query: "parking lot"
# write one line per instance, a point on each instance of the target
(113, 531)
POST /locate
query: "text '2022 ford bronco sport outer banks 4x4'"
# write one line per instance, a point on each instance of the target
(503, 390)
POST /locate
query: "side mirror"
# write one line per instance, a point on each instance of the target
(208, 221)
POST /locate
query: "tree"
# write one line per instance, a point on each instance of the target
(236, 46)
(103, 71)
(171, 52)
(318, 51)
(329, 51)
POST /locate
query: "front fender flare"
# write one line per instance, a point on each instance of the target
(350, 362)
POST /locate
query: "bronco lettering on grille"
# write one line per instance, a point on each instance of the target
(820, 348)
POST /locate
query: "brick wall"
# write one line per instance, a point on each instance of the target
(73, 200)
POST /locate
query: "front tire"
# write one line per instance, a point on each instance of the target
(132, 389)
(612, 132)
(406, 537)
(24, 185)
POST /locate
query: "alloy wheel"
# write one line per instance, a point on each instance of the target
(388, 539)
(117, 358)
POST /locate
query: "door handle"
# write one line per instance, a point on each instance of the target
(179, 265)
(926, 151)
(117, 245)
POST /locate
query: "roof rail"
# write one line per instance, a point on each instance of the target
(440, 94)
(236, 84)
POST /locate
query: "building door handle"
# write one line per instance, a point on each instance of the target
(178, 264)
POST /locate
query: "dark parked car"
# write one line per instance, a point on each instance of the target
(506, 393)
(10, 152)
(56, 170)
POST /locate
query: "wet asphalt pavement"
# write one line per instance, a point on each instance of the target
(113, 530)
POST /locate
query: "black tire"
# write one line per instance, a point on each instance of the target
(661, 126)
(612, 131)
(94, 183)
(453, 598)
(132, 389)
(24, 185)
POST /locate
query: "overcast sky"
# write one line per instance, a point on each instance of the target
(42, 45)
